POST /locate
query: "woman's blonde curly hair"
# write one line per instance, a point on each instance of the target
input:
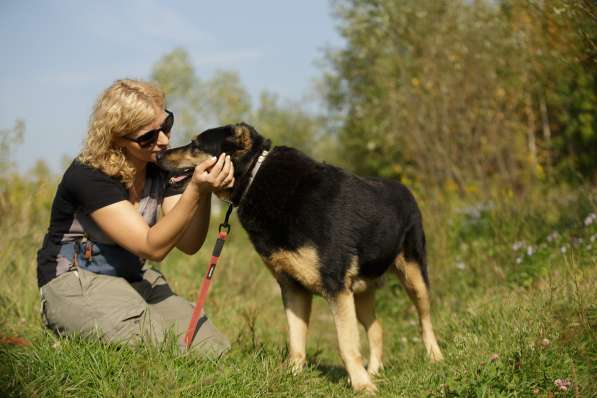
(125, 107)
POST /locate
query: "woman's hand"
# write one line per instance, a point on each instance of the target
(211, 175)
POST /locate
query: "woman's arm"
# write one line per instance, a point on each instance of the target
(126, 227)
(193, 237)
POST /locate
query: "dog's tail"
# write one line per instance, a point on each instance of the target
(414, 246)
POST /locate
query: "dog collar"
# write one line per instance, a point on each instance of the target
(254, 171)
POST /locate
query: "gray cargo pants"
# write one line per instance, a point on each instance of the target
(92, 304)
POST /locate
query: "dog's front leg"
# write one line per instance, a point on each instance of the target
(343, 310)
(297, 305)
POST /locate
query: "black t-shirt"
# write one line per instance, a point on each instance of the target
(83, 190)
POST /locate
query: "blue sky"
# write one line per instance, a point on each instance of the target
(57, 56)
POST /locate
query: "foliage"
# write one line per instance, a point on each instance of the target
(9, 138)
(228, 100)
(465, 93)
(223, 99)
(491, 99)
(506, 330)
(184, 90)
(289, 124)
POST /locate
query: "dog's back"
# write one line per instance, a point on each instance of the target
(296, 201)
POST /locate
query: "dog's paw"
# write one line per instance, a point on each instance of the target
(361, 382)
(434, 353)
(436, 356)
(366, 387)
(374, 368)
(297, 364)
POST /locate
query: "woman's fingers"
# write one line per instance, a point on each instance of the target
(217, 168)
(226, 171)
(203, 166)
(216, 174)
(229, 180)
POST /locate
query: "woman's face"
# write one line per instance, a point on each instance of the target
(135, 151)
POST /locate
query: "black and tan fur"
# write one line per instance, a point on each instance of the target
(321, 230)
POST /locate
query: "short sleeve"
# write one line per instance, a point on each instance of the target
(92, 189)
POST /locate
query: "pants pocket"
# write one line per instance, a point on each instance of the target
(125, 325)
(63, 305)
(154, 277)
(42, 308)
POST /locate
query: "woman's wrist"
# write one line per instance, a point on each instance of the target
(199, 190)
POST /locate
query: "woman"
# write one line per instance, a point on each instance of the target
(104, 226)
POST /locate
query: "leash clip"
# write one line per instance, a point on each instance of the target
(225, 223)
(227, 226)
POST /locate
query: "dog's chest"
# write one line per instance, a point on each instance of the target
(302, 265)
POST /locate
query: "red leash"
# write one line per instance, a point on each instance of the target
(222, 235)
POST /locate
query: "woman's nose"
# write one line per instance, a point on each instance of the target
(163, 139)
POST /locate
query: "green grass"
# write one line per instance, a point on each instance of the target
(510, 320)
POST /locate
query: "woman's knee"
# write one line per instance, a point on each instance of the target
(82, 302)
(90, 304)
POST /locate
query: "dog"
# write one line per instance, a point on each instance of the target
(321, 230)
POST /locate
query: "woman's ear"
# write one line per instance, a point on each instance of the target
(119, 142)
(118, 145)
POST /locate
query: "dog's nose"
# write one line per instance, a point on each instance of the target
(159, 155)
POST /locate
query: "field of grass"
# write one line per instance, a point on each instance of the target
(514, 293)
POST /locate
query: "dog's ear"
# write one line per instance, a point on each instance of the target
(241, 136)
(230, 142)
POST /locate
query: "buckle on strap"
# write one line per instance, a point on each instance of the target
(225, 224)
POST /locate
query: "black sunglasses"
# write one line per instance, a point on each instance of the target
(151, 137)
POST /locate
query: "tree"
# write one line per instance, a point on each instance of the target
(184, 90)
(228, 100)
(223, 99)
(199, 104)
(9, 138)
(460, 93)
(286, 124)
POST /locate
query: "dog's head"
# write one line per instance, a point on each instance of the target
(241, 141)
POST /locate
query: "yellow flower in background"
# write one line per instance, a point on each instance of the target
(451, 186)
(539, 171)
(471, 188)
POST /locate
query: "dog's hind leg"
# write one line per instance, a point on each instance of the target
(365, 306)
(411, 276)
(297, 305)
(344, 312)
